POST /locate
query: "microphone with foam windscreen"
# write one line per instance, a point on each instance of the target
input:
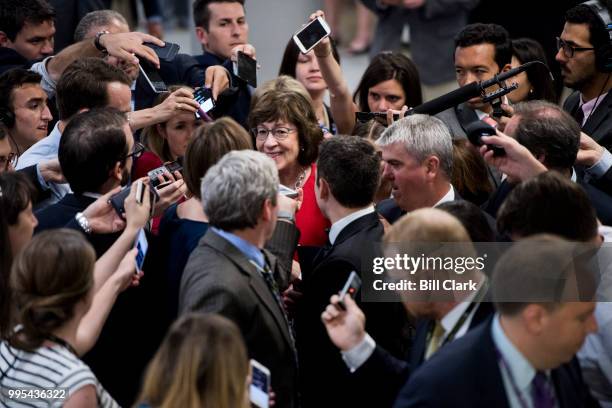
(476, 130)
(467, 92)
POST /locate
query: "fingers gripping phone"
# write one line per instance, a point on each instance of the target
(351, 287)
(259, 390)
(170, 167)
(311, 35)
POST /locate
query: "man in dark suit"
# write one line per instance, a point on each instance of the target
(347, 178)
(231, 274)
(582, 56)
(221, 26)
(524, 355)
(553, 137)
(439, 320)
(481, 51)
(418, 155)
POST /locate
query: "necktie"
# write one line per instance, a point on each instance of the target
(579, 115)
(541, 391)
(490, 121)
(268, 277)
(436, 339)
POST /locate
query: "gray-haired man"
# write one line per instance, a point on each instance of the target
(230, 273)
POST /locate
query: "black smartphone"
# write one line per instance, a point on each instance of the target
(167, 52)
(170, 167)
(203, 96)
(351, 287)
(118, 201)
(245, 68)
(152, 76)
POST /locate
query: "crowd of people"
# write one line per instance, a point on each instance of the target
(149, 250)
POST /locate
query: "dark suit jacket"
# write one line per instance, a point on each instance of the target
(386, 374)
(234, 101)
(599, 124)
(325, 378)
(218, 278)
(129, 320)
(62, 213)
(466, 374)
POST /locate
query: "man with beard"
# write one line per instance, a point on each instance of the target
(584, 51)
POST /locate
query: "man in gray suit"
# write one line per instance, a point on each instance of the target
(230, 273)
(433, 25)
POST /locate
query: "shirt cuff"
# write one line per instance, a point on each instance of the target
(47, 84)
(43, 183)
(602, 166)
(355, 357)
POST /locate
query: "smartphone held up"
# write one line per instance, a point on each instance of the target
(310, 35)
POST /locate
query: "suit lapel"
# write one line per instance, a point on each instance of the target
(361, 223)
(493, 392)
(597, 117)
(256, 282)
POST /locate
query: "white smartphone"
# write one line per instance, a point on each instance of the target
(286, 191)
(142, 245)
(311, 35)
(259, 390)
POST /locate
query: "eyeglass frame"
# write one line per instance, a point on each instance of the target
(137, 150)
(255, 131)
(11, 160)
(561, 44)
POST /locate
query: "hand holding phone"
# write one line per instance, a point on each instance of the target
(259, 390)
(351, 287)
(169, 167)
(167, 52)
(311, 34)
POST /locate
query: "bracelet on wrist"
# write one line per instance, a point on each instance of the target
(83, 222)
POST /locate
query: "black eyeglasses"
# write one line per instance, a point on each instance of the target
(7, 161)
(568, 50)
(137, 151)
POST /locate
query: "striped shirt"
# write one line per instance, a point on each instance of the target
(46, 368)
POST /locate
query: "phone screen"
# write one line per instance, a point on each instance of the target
(142, 245)
(246, 69)
(167, 52)
(152, 76)
(312, 34)
(203, 96)
(260, 385)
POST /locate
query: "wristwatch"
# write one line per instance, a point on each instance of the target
(286, 215)
(97, 40)
(83, 222)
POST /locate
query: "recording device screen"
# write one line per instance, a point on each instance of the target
(152, 76)
(170, 167)
(351, 287)
(142, 245)
(310, 35)
(203, 96)
(245, 68)
(260, 385)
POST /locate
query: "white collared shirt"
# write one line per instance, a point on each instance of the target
(339, 225)
(589, 107)
(520, 368)
(449, 196)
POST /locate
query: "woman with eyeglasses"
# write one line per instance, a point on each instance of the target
(285, 128)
